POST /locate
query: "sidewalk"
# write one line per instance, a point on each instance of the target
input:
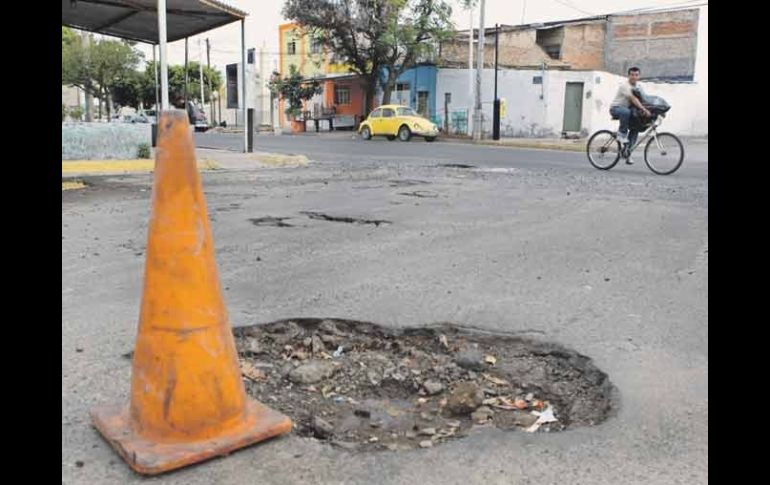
(577, 145)
(310, 131)
(231, 160)
(208, 160)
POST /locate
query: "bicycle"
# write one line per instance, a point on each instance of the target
(663, 154)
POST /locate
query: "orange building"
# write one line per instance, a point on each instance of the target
(342, 98)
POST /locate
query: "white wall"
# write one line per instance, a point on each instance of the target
(254, 90)
(527, 115)
(532, 110)
(689, 105)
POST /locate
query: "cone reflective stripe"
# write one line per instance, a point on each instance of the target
(188, 401)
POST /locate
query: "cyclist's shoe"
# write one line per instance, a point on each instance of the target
(623, 137)
(629, 160)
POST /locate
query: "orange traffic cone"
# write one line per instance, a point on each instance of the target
(188, 402)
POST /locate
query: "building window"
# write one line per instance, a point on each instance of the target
(553, 51)
(316, 46)
(422, 103)
(341, 95)
(402, 86)
(551, 41)
(291, 48)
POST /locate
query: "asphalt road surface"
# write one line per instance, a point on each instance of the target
(536, 242)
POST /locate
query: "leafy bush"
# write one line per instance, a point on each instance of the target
(143, 151)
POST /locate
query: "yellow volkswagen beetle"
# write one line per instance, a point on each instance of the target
(392, 120)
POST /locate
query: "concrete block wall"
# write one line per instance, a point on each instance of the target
(662, 44)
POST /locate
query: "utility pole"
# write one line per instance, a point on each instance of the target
(200, 71)
(470, 68)
(85, 42)
(477, 115)
(211, 91)
(185, 75)
(496, 106)
(157, 91)
(163, 58)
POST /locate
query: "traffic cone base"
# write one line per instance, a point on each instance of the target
(150, 458)
(187, 401)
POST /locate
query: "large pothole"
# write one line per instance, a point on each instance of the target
(363, 386)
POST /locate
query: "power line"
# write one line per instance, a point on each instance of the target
(670, 6)
(569, 5)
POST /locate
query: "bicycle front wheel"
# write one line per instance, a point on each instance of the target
(664, 153)
(603, 150)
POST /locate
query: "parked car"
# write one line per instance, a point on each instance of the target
(392, 120)
(149, 115)
(197, 117)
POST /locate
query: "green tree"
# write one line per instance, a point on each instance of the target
(127, 91)
(176, 83)
(68, 36)
(76, 113)
(375, 35)
(414, 31)
(98, 67)
(294, 89)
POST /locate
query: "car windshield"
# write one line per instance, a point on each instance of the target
(406, 112)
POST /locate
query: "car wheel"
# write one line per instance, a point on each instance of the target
(366, 133)
(404, 133)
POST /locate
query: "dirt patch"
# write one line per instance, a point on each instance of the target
(349, 220)
(365, 387)
(271, 221)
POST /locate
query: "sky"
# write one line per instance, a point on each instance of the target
(265, 16)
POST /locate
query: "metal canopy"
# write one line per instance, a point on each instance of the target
(138, 19)
(157, 22)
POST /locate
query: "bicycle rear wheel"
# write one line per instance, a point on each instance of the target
(664, 153)
(603, 150)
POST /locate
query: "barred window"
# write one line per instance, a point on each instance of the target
(341, 95)
(316, 46)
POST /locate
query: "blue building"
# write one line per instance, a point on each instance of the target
(415, 87)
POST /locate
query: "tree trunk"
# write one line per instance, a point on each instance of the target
(89, 105)
(109, 108)
(369, 89)
(390, 85)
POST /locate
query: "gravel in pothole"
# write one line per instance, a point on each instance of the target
(364, 387)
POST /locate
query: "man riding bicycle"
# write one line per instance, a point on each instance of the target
(622, 108)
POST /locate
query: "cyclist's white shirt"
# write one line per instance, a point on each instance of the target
(622, 98)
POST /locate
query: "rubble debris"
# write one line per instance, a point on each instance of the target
(362, 387)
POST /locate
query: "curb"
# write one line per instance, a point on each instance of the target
(110, 167)
(572, 147)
